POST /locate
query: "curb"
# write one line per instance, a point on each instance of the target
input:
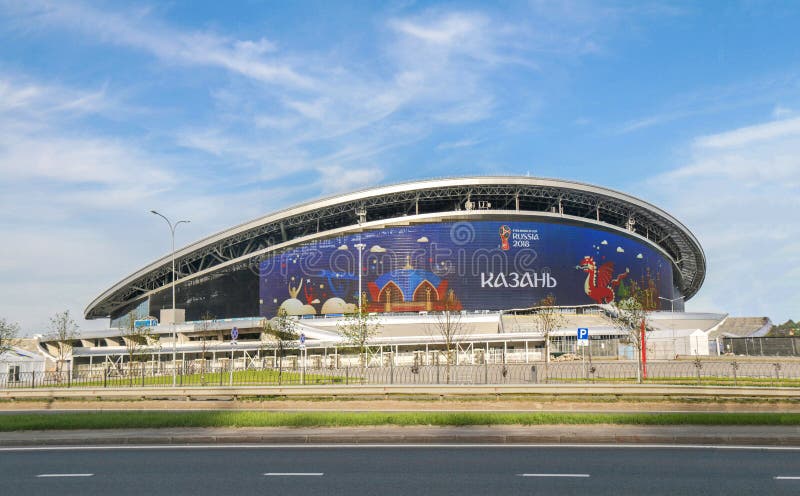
(423, 390)
(662, 435)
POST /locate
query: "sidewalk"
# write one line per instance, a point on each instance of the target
(556, 434)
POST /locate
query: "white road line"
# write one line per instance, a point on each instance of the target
(65, 475)
(786, 477)
(291, 474)
(554, 475)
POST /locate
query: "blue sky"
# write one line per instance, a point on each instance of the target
(223, 111)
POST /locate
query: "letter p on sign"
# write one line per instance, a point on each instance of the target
(583, 336)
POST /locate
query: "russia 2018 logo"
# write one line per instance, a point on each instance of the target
(505, 233)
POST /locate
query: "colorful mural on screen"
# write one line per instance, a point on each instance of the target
(482, 265)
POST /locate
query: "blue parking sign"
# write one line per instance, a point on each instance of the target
(583, 336)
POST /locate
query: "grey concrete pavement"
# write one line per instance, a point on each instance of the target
(388, 471)
(686, 434)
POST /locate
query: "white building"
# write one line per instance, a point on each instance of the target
(18, 365)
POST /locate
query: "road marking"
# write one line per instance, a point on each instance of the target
(786, 477)
(65, 475)
(290, 474)
(553, 475)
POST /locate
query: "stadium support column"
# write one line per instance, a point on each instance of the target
(172, 228)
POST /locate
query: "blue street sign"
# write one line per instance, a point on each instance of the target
(302, 338)
(145, 323)
(234, 334)
(583, 336)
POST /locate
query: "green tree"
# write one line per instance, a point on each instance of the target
(139, 341)
(206, 320)
(63, 331)
(788, 328)
(449, 328)
(282, 330)
(547, 319)
(631, 318)
(358, 329)
(8, 335)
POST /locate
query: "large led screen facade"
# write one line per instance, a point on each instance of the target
(479, 265)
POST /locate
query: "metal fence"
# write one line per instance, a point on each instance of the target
(716, 371)
(763, 346)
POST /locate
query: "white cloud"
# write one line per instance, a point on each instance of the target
(751, 134)
(377, 249)
(760, 154)
(329, 120)
(780, 112)
(451, 145)
(78, 160)
(338, 179)
(137, 30)
(452, 30)
(739, 194)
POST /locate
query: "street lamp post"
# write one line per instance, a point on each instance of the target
(360, 247)
(172, 228)
(671, 302)
(361, 214)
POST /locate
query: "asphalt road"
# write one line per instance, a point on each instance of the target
(337, 470)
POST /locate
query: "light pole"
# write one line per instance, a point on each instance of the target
(671, 302)
(172, 228)
(360, 247)
(361, 213)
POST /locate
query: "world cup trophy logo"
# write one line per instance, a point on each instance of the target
(505, 233)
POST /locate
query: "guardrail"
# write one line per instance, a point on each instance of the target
(708, 372)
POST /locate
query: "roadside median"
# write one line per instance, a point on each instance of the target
(240, 419)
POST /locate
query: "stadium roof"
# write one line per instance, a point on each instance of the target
(418, 201)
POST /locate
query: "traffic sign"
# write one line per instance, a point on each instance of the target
(583, 336)
(234, 334)
(145, 323)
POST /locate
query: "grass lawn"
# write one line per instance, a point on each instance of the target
(138, 419)
(240, 377)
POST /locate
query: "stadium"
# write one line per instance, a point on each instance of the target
(486, 247)
(424, 240)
